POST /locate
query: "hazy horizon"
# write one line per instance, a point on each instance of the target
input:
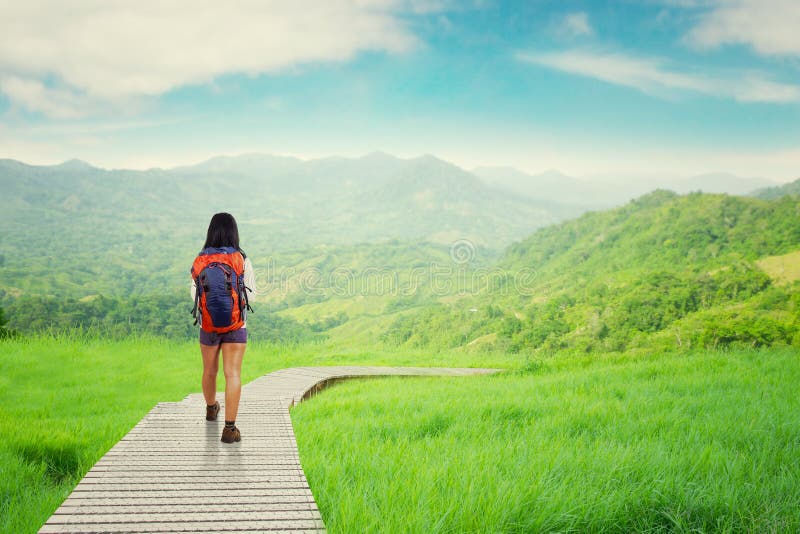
(603, 177)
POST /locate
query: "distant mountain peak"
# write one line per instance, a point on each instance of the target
(378, 155)
(381, 156)
(430, 158)
(246, 163)
(74, 165)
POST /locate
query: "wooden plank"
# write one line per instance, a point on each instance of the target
(287, 478)
(180, 515)
(185, 506)
(307, 525)
(187, 470)
(191, 494)
(209, 461)
(205, 485)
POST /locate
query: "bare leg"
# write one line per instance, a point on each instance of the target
(232, 354)
(210, 371)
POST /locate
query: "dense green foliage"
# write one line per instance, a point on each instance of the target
(701, 442)
(663, 272)
(319, 284)
(161, 315)
(4, 330)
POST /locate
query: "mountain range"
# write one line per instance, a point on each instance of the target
(342, 200)
(601, 191)
(286, 203)
(80, 232)
(291, 203)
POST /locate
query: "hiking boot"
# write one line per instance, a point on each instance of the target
(211, 413)
(229, 435)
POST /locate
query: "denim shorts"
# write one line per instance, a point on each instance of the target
(213, 339)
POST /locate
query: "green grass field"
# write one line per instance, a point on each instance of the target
(68, 399)
(705, 441)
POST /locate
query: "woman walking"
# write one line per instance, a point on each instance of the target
(222, 277)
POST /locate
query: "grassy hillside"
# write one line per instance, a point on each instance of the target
(108, 251)
(663, 272)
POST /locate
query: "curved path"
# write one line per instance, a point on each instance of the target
(171, 473)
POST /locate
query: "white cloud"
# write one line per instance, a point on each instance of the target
(35, 96)
(652, 76)
(576, 24)
(109, 51)
(771, 27)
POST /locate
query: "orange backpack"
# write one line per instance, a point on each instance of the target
(221, 296)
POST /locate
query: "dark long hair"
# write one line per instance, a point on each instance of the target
(222, 232)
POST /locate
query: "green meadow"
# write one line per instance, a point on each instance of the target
(71, 397)
(694, 442)
(698, 442)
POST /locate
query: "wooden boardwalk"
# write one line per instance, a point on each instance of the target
(171, 472)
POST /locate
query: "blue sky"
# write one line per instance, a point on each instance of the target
(672, 86)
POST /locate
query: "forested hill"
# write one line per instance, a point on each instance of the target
(662, 230)
(664, 271)
(771, 193)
